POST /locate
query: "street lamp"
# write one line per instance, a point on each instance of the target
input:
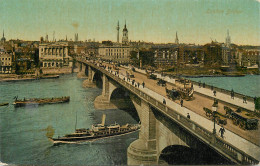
(214, 111)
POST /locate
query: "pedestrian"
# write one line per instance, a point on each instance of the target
(222, 131)
(214, 92)
(232, 94)
(164, 101)
(143, 84)
(244, 99)
(181, 102)
(203, 85)
(188, 116)
(138, 84)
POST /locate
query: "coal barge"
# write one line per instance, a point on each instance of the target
(40, 101)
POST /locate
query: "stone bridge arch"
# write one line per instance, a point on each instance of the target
(172, 138)
(97, 78)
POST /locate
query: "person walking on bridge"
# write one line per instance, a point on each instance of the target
(143, 84)
(181, 102)
(164, 101)
(214, 92)
(222, 131)
(232, 94)
(188, 116)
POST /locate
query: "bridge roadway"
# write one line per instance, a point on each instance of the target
(204, 98)
(200, 101)
(152, 89)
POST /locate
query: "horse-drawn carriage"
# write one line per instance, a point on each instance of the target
(220, 119)
(152, 76)
(185, 88)
(161, 82)
(172, 94)
(130, 74)
(243, 118)
(182, 89)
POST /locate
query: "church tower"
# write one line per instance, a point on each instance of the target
(228, 40)
(125, 35)
(3, 38)
(176, 39)
(117, 28)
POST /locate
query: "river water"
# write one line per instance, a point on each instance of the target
(247, 85)
(23, 130)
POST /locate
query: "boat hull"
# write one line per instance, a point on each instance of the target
(91, 138)
(3, 104)
(35, 102)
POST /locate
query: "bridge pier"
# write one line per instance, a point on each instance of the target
(143, 150)
(82, 70)
(102, 102)
(88, 83)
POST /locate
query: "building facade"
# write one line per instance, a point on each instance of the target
(5, 63)
(250, 57)
(165, 57)
(53, 55)
(115, 53)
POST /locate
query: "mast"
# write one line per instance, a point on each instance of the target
(76, 120)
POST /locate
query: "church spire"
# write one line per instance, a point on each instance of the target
(3, 33)
(176, 39)
(228, 40)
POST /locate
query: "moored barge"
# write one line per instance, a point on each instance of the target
(3, 104)
(40, 101)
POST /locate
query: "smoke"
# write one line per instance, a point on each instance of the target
(75, 25)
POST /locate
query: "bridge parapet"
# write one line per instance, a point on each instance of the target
(219, 144)
(227, 92)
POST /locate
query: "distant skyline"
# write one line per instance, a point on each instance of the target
(196, 21)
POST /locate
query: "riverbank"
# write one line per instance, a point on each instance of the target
(51, 73)
(27, 78)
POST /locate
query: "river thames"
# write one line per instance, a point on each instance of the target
(23, 130)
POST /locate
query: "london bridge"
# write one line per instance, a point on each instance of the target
(166, 124)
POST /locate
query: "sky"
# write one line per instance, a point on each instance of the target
(196, 21)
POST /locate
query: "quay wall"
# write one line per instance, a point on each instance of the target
(63, 70)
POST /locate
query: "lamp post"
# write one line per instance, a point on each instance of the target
(214, 110)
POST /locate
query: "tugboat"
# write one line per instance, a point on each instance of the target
(98, 131)
(40, 101)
